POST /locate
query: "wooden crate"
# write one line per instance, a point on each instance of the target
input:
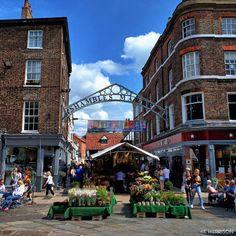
(58, 216)
(97, 217)
(76, 218)
(161, 215)
(141, 215)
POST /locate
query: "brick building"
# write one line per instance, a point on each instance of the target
(81, 144)
(99, 141)
(191, 73)
(34, 88)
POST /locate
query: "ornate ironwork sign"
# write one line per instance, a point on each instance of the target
(114, 93)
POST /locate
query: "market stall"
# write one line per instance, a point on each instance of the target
(84, 203)
(146, 197)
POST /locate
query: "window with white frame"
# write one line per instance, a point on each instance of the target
(170, 47)
(232, 106)
(190, 62)
(33, 72)
(230, 63)
(192, 107)
(158, 128)
(229, 25)
(188, 27)
(35, 39)
(147, 131)
(151, 129)
(157, 92)
(171, 117)
(170, 79)
(31, 115)
(103, 140)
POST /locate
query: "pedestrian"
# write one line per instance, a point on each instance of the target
(166, 173)
(49, 184)
(161, 178)
(79, 175)
(64, 175)
(119, 178)
(187, 183)
(15, 176)
(196, 188)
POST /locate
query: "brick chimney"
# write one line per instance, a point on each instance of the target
(26, 12)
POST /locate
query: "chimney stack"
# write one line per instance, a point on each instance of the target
(26, 12)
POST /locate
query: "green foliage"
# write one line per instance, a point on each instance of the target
(102, 195)
(75, 184)
(169, 185)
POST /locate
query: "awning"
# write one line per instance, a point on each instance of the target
(139, 150)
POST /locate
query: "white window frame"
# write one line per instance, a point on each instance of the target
(230, 63)
(184, 110)
(170, 79)
(229, 25)
(157, 92)
(170, 47)
(191, 64)
(158, 126)
(35, 41)
(171, 117)
(188, 27)
(147, 131)
(229, 104)
(32, 115)
(103, 140)
(33, 72)
(151, 128)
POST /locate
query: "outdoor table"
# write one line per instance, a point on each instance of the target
(178, 211)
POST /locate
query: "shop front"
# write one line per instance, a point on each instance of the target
(39, 152)
(226, 160)
(210, 151)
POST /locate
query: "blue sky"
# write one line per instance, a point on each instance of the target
(110, 43)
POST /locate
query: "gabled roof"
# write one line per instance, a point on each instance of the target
(93, 140)
(128, 145)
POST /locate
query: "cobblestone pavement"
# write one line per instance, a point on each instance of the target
(31, 220)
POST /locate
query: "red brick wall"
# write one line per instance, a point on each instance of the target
(13, 48)
(207, 21)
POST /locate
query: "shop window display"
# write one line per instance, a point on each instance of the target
(226, 160)
(21, 157)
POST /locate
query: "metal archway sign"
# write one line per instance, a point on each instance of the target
(114, 93)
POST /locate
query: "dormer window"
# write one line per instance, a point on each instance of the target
(103, 140)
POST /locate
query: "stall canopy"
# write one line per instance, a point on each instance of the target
(123, 145)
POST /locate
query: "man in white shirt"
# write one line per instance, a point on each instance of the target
(166, 173)
(120, 177)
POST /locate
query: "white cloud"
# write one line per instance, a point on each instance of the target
(89, 78)
(128, 114)
(138, 48)
(100, 115)
(92, 77)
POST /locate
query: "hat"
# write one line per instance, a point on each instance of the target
(209, 181)
(188, 169)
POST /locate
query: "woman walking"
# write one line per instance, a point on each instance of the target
(187, 183)
(196, 188)
(49, 183)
